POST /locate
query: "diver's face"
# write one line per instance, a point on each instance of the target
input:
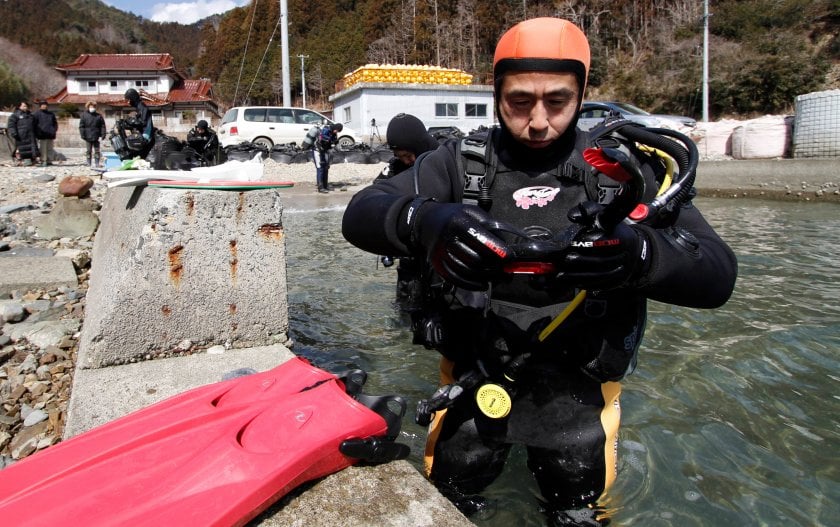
(537, 107)
(406, 157)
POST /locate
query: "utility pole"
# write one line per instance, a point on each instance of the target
(303, 78)
(705, 61)
(284, 43)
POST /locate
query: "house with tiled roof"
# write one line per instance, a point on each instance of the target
(165, 90)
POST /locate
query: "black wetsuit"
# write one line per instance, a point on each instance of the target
(204, 142)
(326, 140)
(567, 419)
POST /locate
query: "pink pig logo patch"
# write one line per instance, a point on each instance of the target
(529, 196)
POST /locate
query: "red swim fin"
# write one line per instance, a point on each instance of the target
(216, 455)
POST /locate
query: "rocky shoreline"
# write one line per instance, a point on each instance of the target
(41, 328)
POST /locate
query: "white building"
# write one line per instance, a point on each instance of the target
(365, 104)
(104, 79)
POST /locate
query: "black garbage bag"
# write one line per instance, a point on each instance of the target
(284, 153)
(245, 151)
(359, 153)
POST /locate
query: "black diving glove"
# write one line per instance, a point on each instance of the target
(456, 241)
(602, 260)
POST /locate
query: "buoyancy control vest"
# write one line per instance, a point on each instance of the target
(602, 335)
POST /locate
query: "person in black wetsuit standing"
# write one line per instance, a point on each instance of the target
(539, 298)
(143, 122)
(407, 138)
(324, 143)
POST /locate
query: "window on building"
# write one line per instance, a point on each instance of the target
(347, 115)
(141, 84)
(475, 110)
(87, 86)
(446, 109)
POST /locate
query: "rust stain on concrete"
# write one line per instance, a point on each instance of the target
(271, 231)
(166, 310)
(240, 206)
(234, 260)
(176, 267)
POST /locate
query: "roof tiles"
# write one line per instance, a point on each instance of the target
(120, 62)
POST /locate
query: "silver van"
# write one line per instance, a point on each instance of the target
(274, 125)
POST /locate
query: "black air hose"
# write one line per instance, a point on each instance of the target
(687, 157)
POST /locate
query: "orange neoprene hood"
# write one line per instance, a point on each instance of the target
(543, 44)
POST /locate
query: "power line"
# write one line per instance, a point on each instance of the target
(247, 40)
(256, 73)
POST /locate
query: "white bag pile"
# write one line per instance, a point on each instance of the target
(762, 138)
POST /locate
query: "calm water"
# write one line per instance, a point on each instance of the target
(732, 415)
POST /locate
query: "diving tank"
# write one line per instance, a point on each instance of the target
(310, 138)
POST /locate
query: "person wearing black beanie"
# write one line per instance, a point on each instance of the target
(407, 138)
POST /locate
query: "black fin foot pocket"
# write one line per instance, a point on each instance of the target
(391, 408)
(374, 450)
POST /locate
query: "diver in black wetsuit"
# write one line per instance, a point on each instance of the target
(205, 141)
(408, 138)
(539, 353)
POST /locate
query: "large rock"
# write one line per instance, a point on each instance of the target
(77, 186)
(71, 217)
(175, 270)
(30, 273)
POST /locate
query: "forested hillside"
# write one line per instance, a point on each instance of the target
(35, 35)
(762, 52)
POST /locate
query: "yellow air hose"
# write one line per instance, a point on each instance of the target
(670, 164)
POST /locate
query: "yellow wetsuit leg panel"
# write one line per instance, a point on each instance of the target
(610, 421)
(446, 367)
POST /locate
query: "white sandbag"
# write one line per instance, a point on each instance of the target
(762, 138)
(714, 138)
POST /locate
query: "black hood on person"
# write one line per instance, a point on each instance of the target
(407, 132)
(132, 96)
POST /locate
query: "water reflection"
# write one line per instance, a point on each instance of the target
(732, 415)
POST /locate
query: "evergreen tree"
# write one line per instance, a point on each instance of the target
(12, 88)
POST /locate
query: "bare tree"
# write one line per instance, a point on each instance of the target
(41, 79)
(395, 47)
(437, 33)
(469, 24)
(316, 80)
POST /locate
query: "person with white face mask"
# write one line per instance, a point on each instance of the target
(92, 130)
